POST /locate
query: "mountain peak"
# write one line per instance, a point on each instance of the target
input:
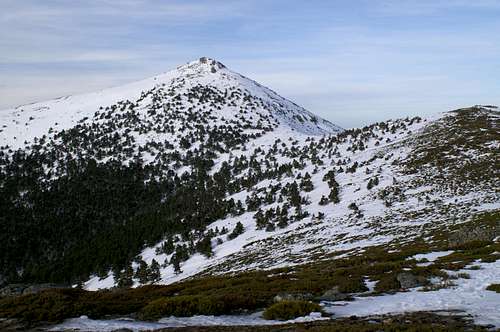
(204, 64)
(233, 97)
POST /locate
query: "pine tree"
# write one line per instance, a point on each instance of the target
(294, 195)
(238, 230)
(323, 200)
(306, 183)
(260, 220)
(154, 274)
(334, 195)
(125, 279)
(167, 247)
(204, 246)
(239, 208)
(353, 206)
(283, 222)
(176, 263)
(142, 272)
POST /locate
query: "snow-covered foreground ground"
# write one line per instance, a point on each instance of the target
(85, 324)
(469, 296)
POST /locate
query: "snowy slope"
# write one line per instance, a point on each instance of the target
(401, 207)
(24, 123)
(396, 180)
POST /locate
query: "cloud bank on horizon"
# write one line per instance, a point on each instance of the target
(352, 62)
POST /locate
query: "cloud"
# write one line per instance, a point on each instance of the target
(342, 60)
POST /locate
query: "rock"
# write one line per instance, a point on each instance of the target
(24, 289)
(334, 295)
(408, 280)
(37, 288)
(12, 290)
(293, 297)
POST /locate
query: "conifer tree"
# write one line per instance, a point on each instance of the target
(125, 278)
(142, 272)
(154, 274)
(176, 263)
(238, 230)
(306, 183)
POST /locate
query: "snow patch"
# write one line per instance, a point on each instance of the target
(469, 295)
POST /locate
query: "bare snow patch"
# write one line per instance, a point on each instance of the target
(430, 256)
(84, 323)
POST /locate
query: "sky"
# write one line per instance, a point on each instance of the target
(352, 62)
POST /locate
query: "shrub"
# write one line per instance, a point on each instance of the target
(494, 288)
(51, 305)
(441, 285)
(387, 283)
(470, 245)
(190, 305)
(352, 285)
(181, 306)
(286, 310)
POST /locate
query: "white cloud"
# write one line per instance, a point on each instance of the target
(355, 70)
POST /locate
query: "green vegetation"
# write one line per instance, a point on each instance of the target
(494, 288)
(387, 283)
(286, 310)
(185, 306)
(217, 295)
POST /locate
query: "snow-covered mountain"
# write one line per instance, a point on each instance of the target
(201, 172)
(26, 122)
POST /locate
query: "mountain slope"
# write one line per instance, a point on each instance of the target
(127, 164)
(397, 182)
(201, 171)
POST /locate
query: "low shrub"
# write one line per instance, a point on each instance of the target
(51, 305)
(286, 310)
(352, 285)
(471, 245)
(494, 288)
(185, 306)
(386, 283)
(437, 286)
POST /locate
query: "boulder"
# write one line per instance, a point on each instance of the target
(23, 289)
(37, 288)
(334, 294)
(12, 290)
(409, 280)
(293, 297)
